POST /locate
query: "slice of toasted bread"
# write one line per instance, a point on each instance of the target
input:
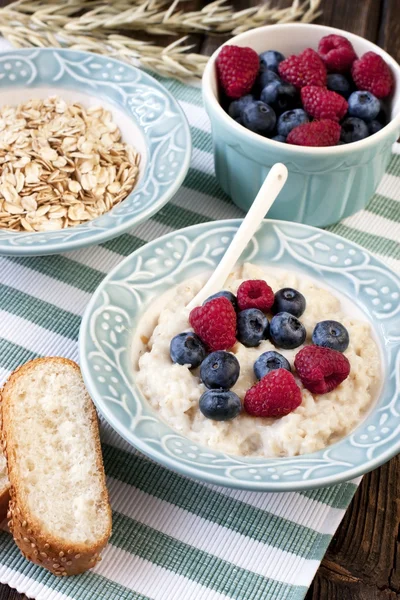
(59, 511)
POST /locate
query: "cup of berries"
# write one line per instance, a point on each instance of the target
(323, 101)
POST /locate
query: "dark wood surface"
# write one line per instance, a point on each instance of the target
(363, 560)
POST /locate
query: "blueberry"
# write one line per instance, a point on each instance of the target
(374, 126)
(286, 331)
(225, 294)
(220, 405)
(270, 361)
(279, 138)
(363, 105)
(280, 96)
(353, 130)
(271, 59)
(384, 114)
(331, 334)
(269, 93)
(259, 117)
(339, 84)
(187, 349)
(290, 301)
(252, 327)
(236, 106)
(264, 77)
(291, 119)
(220, 370)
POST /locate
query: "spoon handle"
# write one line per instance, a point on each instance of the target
(269, 190)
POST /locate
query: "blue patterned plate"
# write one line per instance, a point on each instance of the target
(148, 116)
(116, 307)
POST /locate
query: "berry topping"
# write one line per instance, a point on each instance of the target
(320, 103)
(374, 126)
(384, 114)
(317, 133)
(220, 370)
(220, 405)
(255, 293)
(279, 138)
(187, 349)
(290, 301)
(331, 334)
(259, 117)
(280, 95)
(252, 327)
(271, 60)
(364, 105)
(215, 324)
(265, 76)
(305, 69)
(286, 331)
(237, 70)
(337, 52)
(224, 294)
(236, 106)
(371, 73)
(353, 130)
(321, 370)
(276, 395)
(291, 119)
(270, 361)
(335, 82)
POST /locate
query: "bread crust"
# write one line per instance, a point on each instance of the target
(36, 543)
(5, 491)
(4, 502)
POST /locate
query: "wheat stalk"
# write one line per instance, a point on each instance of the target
(159, 16)
(174, 60)
(90, 25)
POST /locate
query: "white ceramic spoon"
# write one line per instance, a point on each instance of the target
(269, 190)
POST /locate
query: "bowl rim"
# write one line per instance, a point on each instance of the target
(185, 468)
(211, 101)
(37, 249)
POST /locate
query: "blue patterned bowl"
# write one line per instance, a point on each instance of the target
(324, 185)
(123, 296)
(148, 116)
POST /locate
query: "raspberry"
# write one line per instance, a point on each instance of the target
(320, 369)
(255, 293)
(316, 133)
(337, 53)
(276, 395)
(320, 103)
(371, 73)
(215, 324)
(305, 69)
(237, 70)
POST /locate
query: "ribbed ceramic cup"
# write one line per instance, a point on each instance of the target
(324, 184)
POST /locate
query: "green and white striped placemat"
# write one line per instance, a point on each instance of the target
(174, 538)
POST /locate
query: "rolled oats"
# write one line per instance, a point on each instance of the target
(61, 165)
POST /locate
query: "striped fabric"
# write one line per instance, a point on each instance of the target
(174, 538)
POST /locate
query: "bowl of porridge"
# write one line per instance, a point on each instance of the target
(169, 407)
(89, 147)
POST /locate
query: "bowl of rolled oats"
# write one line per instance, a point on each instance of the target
(89, 147)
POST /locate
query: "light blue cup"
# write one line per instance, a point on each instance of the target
(324, 184)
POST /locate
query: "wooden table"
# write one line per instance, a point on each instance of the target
(363, 560)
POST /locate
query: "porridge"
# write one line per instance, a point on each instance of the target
(316, 417)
